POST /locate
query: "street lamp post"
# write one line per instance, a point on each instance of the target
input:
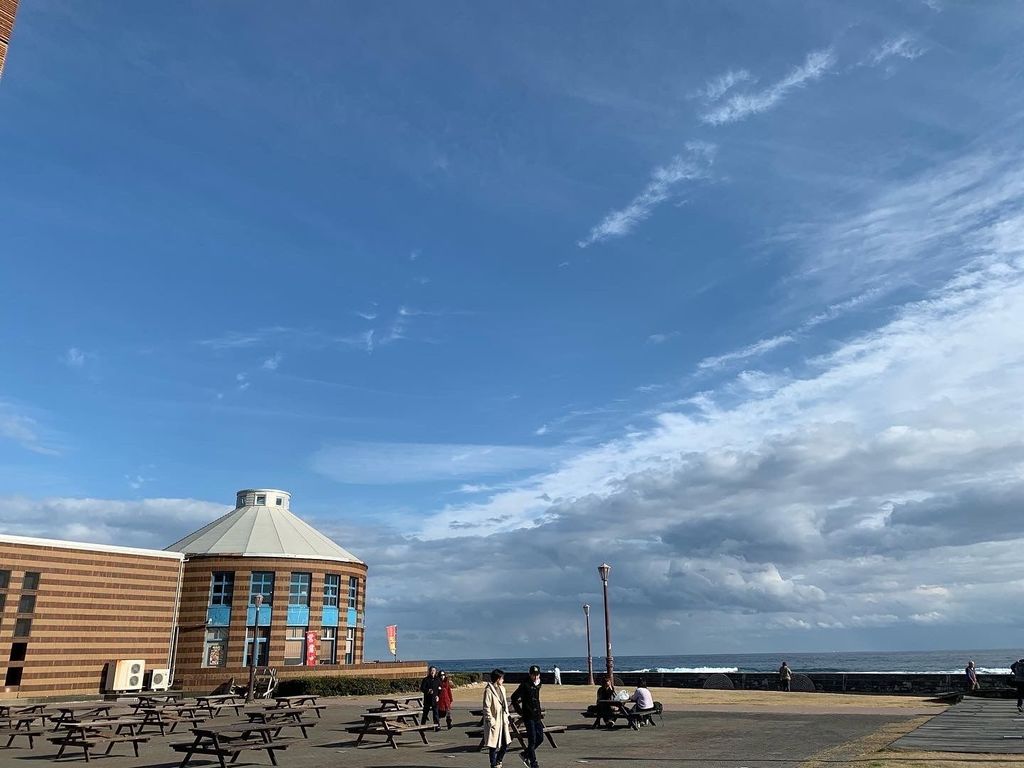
(254, 651)
(590, 655)
(604, 569)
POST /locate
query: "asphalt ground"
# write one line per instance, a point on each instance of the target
(712, 739)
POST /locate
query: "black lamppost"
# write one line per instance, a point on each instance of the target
(603, 569)
(590, 656)
(254, 651)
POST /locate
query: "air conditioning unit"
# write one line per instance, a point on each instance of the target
(158, 679)
(125, 674)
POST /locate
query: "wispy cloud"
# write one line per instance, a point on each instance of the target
(904, 47)
(717, 87)
(740, 106)
(541, 430)
(695, 164)
(388, 463)
(753, 350)
(661, 338)
(273, 362)
(243, 382)
(74, 358)
(371, 315)
(18, 426)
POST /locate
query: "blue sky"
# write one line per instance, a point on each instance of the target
(728, 294)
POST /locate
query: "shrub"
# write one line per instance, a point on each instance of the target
(322, 685)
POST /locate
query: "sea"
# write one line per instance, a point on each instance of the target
(880, 662)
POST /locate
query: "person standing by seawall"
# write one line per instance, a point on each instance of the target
(431, 689)
(558, 675)
(785, 676)
(445, 698)
(496, 718)
(1017, 668)
(972, 677)
(526, 703)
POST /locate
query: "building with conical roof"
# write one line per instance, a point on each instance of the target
(313, 594)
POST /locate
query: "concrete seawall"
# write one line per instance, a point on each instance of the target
(824, 682)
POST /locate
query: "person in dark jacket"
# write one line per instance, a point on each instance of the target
(431, 690)
(605, 694)
(526, 702)
(1017, 668)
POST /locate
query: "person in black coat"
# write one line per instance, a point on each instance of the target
(431, 690)
(526, 702)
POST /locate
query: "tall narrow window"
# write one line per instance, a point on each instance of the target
(27, 604)
(350, 645)
(222, 585)
(262, 643)
(262, 583)
(22, 627)
(332, 586)
(295, 646)
(298, 589)
(353, 592)
(31, 580)
(328, 643)
(5, 579)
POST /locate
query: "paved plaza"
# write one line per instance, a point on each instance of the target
(712, 739)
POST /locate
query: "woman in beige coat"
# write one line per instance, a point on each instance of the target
(496, 718)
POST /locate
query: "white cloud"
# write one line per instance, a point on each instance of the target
(695, 164)
(740, 106)
(273, 362)
(74, 358)
(717, 87)
(541, 430)
(903, 47)
(387, 463)
(753, 350)
(661, 338)
(414, 255)
(243, 381)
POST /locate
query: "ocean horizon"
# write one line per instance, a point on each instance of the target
(987, 661)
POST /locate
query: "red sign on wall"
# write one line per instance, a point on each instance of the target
(311, 649)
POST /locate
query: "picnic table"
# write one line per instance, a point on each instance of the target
(72, 712)
(394, 705)
(170, 715)
(155, 699)
(306, 703)
(390, 724)
(214, 703)
(6, 710)
(13, 725)
(283, 717)
(620, 709)
(88, 734)
(231, 740)
(517, 731)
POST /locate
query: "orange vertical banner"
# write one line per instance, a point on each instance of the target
(392, 630)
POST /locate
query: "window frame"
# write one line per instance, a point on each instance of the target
(20, 623)
(263, 646)
(5, 578)
(353, 593)
(213, 642)
(298, 580)
(328, 641)
(332, 590)
(31, 600)
(222, 588)
(294, 636)
(350, 645)
(268, 595)
(37, 577)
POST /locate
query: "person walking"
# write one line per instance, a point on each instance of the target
(431, 689)
(972, 677)
(558, 675)
(445, 698)
(496, 722)
(526, 703)
(785, 677)
(1017, 668)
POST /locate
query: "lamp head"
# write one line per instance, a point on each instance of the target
(604, 569)
(586, 609)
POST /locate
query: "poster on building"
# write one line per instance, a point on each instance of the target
(392, 630)
(311, 649)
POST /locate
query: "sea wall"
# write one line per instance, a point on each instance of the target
(824, 682)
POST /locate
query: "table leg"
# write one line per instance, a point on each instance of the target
(366, 727)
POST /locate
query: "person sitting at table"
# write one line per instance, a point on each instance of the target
(606, 694)
(642, 697)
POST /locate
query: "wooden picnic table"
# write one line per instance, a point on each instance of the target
(215, 702)
(621, 709)
(291, 701)
(87, 734)
(156, 699)
(398, 704)
(73, 712)
(390, 724)
(171, 715)
(517, 731)
(231, 740)
(283, 717)
(22, 724)
(6, 710)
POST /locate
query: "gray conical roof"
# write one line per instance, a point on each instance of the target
(262, 525)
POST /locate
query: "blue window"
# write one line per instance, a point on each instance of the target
(261, 583)
(298, 590)
(332, 585)
(353, 592)
(222, 585)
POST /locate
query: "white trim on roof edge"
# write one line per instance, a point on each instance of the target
(33, 541)
(272, 556)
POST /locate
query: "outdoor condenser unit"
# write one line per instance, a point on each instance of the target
(125, 674)
(158, 679)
